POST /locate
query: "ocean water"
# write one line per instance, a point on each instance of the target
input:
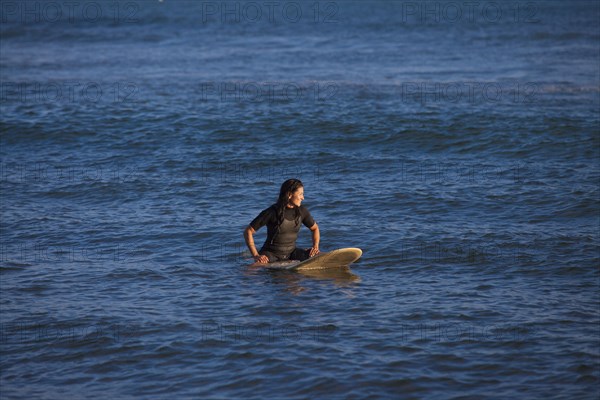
(456, 144)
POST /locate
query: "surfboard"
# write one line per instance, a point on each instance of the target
(332, 259)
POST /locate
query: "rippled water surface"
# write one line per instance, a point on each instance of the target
(461, 154)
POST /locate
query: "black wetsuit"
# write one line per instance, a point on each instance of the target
(281, 240)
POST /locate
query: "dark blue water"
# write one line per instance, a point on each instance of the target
(459, 147)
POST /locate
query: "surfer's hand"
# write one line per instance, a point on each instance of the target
(313, 251)
(261, 259)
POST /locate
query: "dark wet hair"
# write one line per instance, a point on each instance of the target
(287, 189)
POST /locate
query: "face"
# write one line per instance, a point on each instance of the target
(297, 197)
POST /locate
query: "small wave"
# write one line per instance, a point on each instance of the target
(13, 266)
(35, 288)
(562, 36)
(123, 273)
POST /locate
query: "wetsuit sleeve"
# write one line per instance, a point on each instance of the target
(263, 219)
(307, 219)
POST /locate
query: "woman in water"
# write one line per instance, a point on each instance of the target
(283, 224)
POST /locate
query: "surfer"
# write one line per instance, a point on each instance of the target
(283, 221)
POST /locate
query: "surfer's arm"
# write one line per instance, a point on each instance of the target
(248, 232)
(316, 238)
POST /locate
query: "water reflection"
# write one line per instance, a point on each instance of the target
(341, 277)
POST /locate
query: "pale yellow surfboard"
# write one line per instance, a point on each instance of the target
(332, 259)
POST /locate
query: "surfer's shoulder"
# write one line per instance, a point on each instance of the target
(303, 210)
